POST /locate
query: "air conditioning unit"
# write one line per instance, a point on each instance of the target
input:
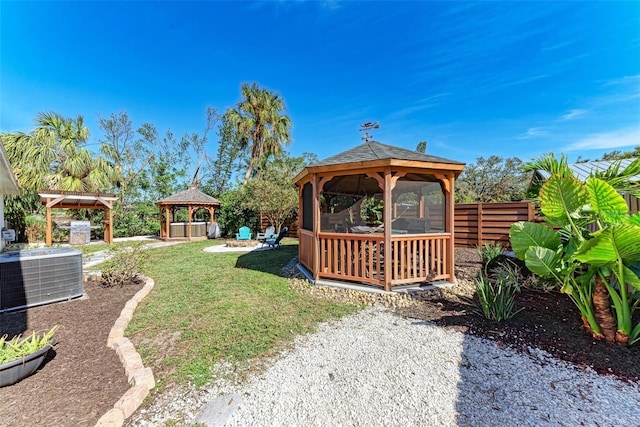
(34, 277)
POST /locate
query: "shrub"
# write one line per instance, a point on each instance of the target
(496, 292)
(489, 251)
(36, 228)
(233, 213)
(125, 264)
(137, 220)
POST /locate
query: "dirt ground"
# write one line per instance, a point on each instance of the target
(82, 378)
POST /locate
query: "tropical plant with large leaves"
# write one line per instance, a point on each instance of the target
(261, 127)
(595, 268)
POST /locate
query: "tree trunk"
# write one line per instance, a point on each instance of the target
(602, 311)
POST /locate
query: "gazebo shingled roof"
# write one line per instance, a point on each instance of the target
(189, 196)
(374, 150)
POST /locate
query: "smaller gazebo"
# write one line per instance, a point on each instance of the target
(378, 215)
(56, 199)
(193, 228)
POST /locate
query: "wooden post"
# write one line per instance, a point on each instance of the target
(316, 226)
(531, 212)
(109, 234)
(451, 220)
(386, 217)
(167, 224)
(190, 209)
(480, 232)
(300, 214)
(48, 232)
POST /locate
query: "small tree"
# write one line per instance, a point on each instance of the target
(492, 180)
(233, 212)
(273, 196)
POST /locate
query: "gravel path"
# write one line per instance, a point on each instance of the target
(375, 368)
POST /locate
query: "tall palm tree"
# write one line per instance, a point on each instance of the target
(261, 126)
(54, 156)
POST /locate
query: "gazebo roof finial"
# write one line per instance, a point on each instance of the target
(366, 127)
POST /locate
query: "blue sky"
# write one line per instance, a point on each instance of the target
(473, 79)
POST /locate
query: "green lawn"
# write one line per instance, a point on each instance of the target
(208, 307)
(92, 248)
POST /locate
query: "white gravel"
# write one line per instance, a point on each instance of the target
(378, 369)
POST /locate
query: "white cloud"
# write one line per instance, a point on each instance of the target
(573, 114)
(533, 133)
(629, 137)
(624, 80)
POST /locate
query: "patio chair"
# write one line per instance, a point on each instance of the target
(274, 242)
(244, 234)
(269, 233)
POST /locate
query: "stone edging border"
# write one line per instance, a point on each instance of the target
(140, 378)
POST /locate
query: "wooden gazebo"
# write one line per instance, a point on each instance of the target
(193, 229)
(378, 215)
(55, 199)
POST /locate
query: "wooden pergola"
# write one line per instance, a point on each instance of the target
(378, 215)
(192, 199)
(55, 199)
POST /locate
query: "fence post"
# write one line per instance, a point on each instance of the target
(480, 236)
(531, 213)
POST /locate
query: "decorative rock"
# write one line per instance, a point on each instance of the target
(131, 305)
(140, 377)
(127, 313)
(113, 418)
(121, 345)
(143, 377)
(131, 400)
(114, 335)
(132, 364)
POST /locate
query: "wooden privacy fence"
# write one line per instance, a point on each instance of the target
(479, 223)
(292, 223)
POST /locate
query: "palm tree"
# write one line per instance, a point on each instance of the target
(53, 156)
(261, 126)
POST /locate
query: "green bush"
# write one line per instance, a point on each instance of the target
(497, 290)
(139, 219)
(36, 228)
(125, 264)
(234, 215)
(490, 251)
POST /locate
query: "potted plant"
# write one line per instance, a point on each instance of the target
(21, 357)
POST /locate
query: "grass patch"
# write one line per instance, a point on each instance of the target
(92, 248)
(209, 307)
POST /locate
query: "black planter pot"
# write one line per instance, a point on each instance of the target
(12, 372)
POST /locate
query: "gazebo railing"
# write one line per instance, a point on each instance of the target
(419, 258)
(415, 258)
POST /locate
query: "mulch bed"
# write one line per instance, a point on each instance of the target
(81, 378)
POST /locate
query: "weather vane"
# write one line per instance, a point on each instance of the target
(366, 127)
